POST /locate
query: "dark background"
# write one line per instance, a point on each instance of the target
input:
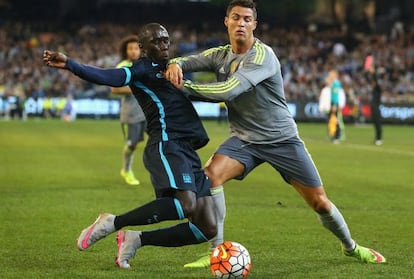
(286, 12)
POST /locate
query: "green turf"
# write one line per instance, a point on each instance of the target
(55, 178)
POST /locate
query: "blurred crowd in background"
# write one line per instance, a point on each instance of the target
(306, 54)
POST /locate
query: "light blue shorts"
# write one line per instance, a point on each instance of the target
(290, 158)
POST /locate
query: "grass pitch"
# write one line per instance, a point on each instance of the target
(56, 177)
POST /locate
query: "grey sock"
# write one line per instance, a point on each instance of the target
(219, 200)
(128, 156)
(335, 222)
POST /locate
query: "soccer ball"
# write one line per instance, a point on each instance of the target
(230, 260)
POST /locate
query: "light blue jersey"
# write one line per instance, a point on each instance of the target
(335, 90)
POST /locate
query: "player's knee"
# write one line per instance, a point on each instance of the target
(207, 226)
(132, 147)
(321, 205)
(188, 206)
(216, 177)
(210, 230)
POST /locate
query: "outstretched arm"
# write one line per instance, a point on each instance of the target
(111, 77)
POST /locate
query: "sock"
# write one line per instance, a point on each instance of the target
(219, 201)
(179, 235)
(335, 222)
(128, 155)
(153, 212)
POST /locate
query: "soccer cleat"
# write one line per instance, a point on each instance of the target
(203, 261)
(128, 242)
(103, 226)
(129, 177)
(366, 255)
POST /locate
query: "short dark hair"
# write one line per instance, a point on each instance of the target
(242, 3)
(146, 31)
(124, 45)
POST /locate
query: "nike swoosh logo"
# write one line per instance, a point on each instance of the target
(223, 253)
(84, 243)
(378, 256)
(154, 64)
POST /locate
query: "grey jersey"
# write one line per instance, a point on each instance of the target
(252, 87)
(131, 111)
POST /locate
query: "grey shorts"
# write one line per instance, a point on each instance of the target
(133, 132)
(290, 158)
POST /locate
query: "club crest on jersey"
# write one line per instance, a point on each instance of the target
(187, 178)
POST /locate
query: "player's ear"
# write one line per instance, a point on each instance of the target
(226, 19)
(254, 25)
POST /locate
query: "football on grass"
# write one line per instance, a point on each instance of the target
(230, 260)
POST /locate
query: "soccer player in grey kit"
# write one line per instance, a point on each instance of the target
(249, 80)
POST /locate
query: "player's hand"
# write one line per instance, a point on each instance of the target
(54, 59)
(174, 74)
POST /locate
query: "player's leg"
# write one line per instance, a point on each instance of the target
(170, 166)
(202, 226)
(328, 214)
(220, 169)
(342, 135)
(332, 219)
(333, 124)
(158, 210)
(296, 166)
(229, 162)
(198, 230)
(376, 119)
(165, 207)
(133, 133)
(178, 207)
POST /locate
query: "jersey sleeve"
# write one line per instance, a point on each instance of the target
(259, 66)
(138, 70)
(325, 100)
(203, 62)
(111, 77)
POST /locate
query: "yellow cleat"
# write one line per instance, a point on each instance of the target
(202, 262)
(365, 255)
(129, 177)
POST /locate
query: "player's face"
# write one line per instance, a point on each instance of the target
(240, 23)
(133, 51)
(158, 44)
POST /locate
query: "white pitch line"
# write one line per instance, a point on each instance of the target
(367, 148)
(378, 149)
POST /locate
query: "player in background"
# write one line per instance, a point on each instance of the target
(372, 76)
(262, 129)
(131, 116)
(331, 101)
(175, 132)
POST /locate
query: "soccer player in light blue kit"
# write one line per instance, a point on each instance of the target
(249, 80)
(132, 117)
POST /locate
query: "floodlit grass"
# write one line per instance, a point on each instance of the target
(56, 177)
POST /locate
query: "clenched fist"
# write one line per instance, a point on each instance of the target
(54, 59)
